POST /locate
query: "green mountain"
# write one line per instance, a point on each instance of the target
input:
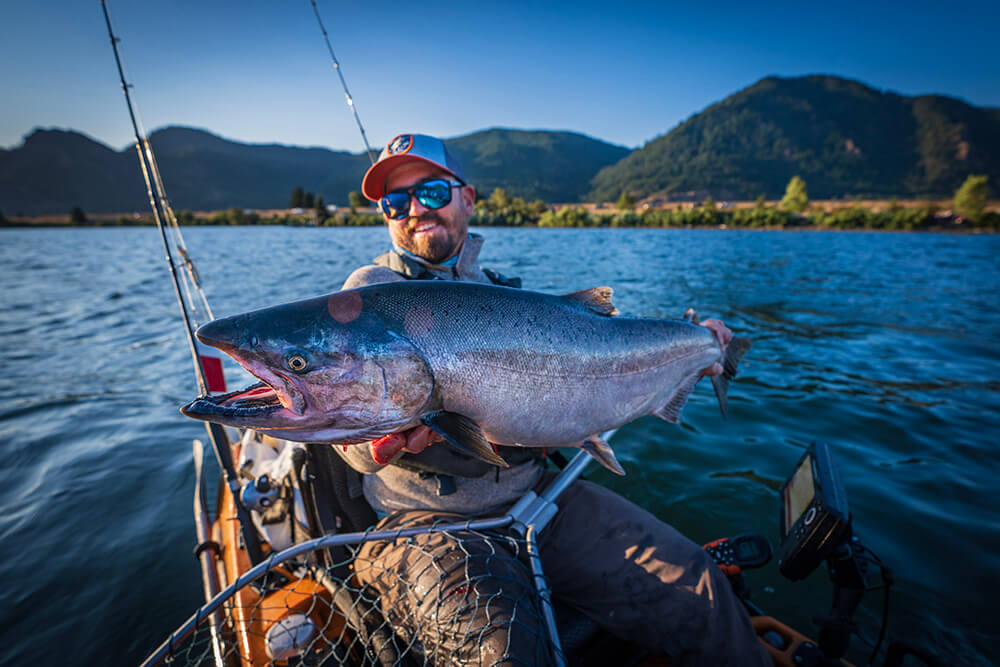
(841, 136)
(54, 170)
(553, 166)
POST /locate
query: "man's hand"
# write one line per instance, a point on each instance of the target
(415, 440)
(723, 335)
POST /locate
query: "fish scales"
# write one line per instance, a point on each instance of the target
(530, 367)
(526, 368)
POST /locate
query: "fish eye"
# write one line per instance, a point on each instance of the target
(296, 362)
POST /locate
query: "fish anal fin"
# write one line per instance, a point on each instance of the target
(596, 446)
(464, 435)
(596, 299)
(671, 410)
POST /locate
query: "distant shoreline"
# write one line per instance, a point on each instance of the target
(955, 229)
(832, 215)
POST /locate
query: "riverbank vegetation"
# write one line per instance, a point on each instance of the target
(926, 218)
(970, 211)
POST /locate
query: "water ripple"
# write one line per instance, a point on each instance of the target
(881, 344)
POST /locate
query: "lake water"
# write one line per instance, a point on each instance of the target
(883, 345)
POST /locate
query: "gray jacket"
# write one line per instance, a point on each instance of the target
(390, 488)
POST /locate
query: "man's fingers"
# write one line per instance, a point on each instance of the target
(420, 438)
(721, 331)
(386, 447)
(713, 370)
(414, 440)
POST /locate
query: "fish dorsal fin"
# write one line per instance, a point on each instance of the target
(596, 299)
(464, 435)
(602, 453)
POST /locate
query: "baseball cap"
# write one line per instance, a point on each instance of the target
(408, 148)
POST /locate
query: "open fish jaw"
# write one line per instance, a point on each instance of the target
(276, 400)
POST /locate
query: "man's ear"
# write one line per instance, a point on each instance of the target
(469, 197)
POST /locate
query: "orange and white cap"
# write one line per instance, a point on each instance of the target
(408, 148)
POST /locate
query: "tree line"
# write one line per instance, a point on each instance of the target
(499, 209)
(794, 210)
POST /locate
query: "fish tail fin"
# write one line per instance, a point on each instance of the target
(671, 410)
(734, 353)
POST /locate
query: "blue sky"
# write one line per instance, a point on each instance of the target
(258, 71)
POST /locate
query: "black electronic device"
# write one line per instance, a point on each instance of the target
(743, 552)
(814, 516)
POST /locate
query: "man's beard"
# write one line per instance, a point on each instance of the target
(432, 247)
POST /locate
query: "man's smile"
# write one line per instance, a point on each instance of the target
(423, 227)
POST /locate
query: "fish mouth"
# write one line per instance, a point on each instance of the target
(275, 401)
(258, 400)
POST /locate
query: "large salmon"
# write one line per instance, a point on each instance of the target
(476, 363)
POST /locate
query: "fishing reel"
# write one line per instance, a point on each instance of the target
(268, 470)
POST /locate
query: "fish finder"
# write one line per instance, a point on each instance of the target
(814, 518)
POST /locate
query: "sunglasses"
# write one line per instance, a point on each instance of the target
(433, 194)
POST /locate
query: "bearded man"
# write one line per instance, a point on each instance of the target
(619, 565)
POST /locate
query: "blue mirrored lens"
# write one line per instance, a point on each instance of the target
(396, 205)
(433, 194)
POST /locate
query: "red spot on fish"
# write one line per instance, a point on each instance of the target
(345, 448)
(418, 321)
(344, 306)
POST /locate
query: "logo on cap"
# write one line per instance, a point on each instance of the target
(400, 144)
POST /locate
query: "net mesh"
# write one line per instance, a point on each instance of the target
(440, 596)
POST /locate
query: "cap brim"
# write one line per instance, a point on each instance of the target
(373, 184)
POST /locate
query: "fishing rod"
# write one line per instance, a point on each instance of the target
(347, 93)
(217, 434)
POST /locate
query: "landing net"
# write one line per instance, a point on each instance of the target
(410, 593)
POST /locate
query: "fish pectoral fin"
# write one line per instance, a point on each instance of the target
(734, 353)
(597, 447)
(464, 435)
(596, 299)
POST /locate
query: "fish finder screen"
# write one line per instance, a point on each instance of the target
(799, 493)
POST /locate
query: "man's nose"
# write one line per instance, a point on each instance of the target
(416, 208)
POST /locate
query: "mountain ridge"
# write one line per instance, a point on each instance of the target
(843, 137)
(55, 169)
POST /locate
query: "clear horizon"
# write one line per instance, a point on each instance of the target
(262, 74)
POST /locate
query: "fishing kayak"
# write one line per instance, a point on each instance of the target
(309, 597)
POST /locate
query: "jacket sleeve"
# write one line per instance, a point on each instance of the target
(359, 456)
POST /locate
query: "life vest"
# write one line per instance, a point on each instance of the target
(411, 269)
(444, 462)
